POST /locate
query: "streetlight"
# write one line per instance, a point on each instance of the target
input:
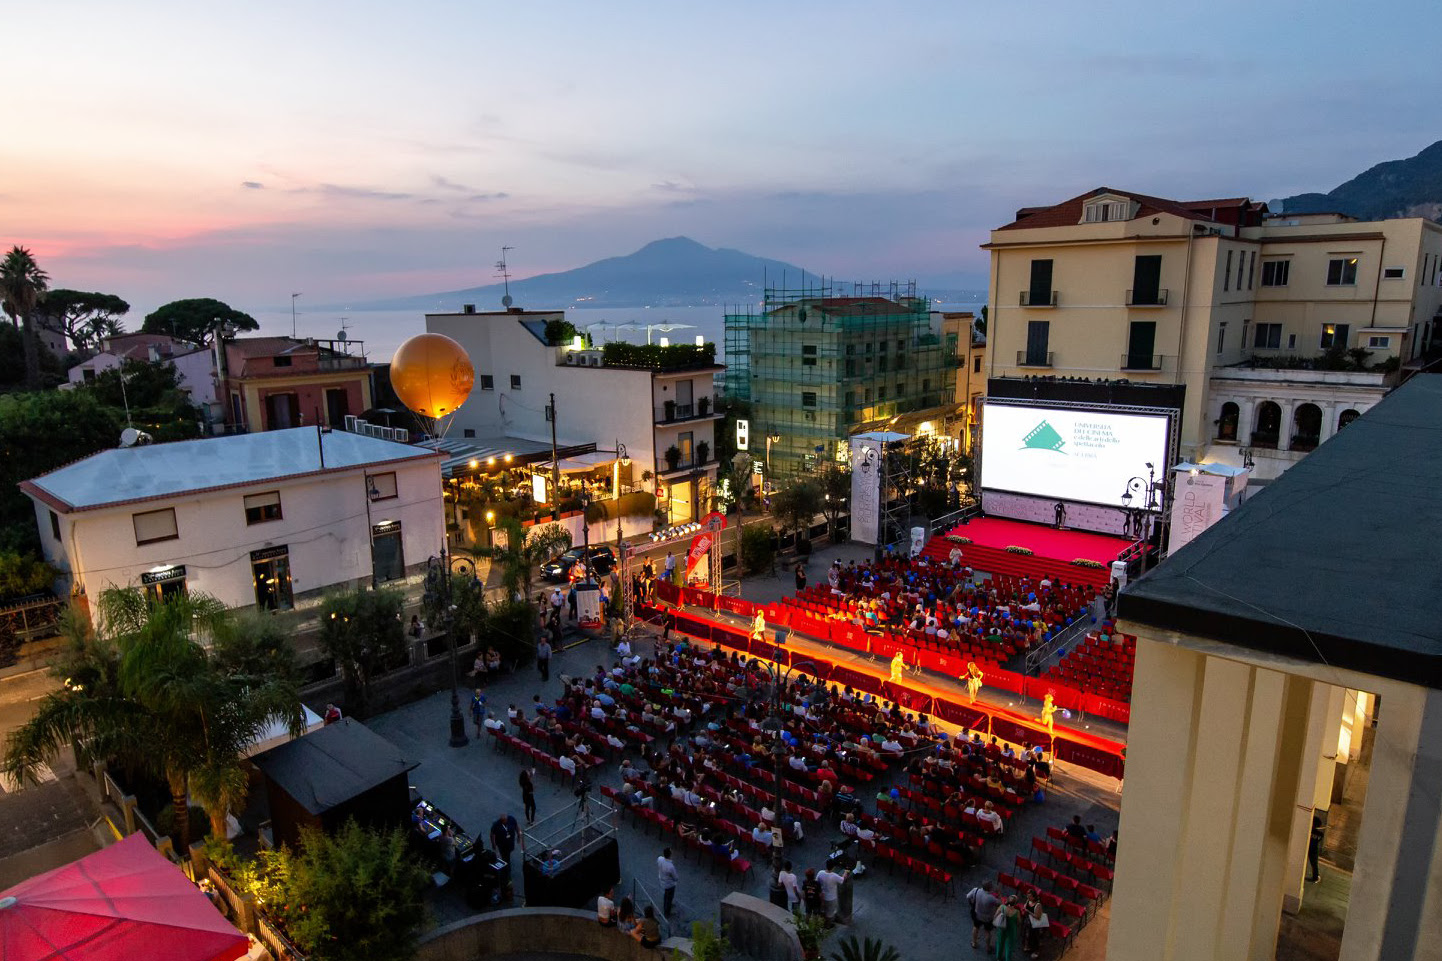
(292, 315)
(438, 594)
(774, 723)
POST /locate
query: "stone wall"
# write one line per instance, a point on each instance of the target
(540, 931)
(759, 928)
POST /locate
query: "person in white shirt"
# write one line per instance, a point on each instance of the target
(615, 741)
(624, 648)
(848, 825)
(492, 724)
(678, 794)
(598, 713)
(891, 744)
(767, 815)
(831, 883)
(568, 764)
(583, 748)
(864, 833)
(606, 908)
(787, 877)
(760, 835)
(692, 798)
(797, 762)
(988, 815)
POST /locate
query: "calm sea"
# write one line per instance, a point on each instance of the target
(384, 330)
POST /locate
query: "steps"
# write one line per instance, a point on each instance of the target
(997, 560)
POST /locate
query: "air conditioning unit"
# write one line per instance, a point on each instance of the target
(350, 421)
(402, 435)
(595, 360)
(570, 359)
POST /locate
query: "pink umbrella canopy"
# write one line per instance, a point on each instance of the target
(124, 902)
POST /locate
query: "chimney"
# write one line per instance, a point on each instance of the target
(468, 308)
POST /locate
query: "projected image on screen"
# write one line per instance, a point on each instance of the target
(1074, 455)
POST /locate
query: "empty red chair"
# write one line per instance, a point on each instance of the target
(1025, 865)
(1074, 911)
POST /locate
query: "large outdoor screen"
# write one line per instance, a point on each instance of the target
(1073, 455)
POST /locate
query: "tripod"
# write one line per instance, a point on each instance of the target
(583, 808)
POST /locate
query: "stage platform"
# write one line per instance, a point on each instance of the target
(1052, 550)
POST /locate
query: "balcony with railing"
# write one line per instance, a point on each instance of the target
(1144, 362)
(673, 413)
(1147, 298)
(1027, 300)
(1034, 358)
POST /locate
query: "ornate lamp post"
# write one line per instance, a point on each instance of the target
(775, 724)
(438, 591)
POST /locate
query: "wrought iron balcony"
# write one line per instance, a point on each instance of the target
(1147, 298)
(1027, 300)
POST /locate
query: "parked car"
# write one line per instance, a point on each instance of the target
(602, 559)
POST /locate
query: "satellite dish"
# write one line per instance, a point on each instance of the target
(506, 301)
(340, 335)
(129, 437)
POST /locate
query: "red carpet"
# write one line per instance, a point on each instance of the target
(1052, 550)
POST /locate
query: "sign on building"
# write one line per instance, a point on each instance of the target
(1198, 502)
(743, 434)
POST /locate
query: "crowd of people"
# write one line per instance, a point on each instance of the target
(947, 602)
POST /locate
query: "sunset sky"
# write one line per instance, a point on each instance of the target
(358, 150)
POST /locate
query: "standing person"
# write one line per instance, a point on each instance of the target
(983, 906)
(332, 714)
(543, 658)
(787, 877)
(478, 711)
(670, 574)
(528, 796)
(811, 892)
(831, 883)
(667, 876)
(1008, 926)
(1314, 849)
(800, 574)
(1037, 924)
(504, 832)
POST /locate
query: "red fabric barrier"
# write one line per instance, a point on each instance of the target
(1003, 680)
(1089, 756)
(952, 665)
(668, 592)
(737, 605)
(856, 680)
(1009, 730)
(697, 598)
(906, 697)
(969, 717)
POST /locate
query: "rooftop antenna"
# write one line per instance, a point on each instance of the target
(505, 277)
(341, 334)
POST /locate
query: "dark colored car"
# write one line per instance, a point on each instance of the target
(602, 560)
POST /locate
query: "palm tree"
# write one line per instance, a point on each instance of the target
(22, 287)
(173, 688)
(871, 949)
(523, 552)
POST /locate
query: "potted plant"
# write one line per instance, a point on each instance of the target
(673, 453)
(703, 406)
(703, 452)
(670, 410)
(811, 930)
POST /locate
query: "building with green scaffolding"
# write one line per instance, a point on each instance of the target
(812, 366)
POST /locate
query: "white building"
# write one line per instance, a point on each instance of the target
(648, 410)
(194, 366)
(253, 519)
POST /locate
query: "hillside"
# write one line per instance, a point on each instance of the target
(673, 272)
(1397, 188)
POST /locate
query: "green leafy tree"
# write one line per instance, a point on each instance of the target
(980, 322)
(38, 433)
(22, 574)
(758, 548)
(797, 504)
(872, 949)
(363, 631)
(22, 288)
(521, 551)
(155, 687)
(86, 317)
(156, 401)
(195, 320)
(835, 482)
(12, 361)
(355, 895)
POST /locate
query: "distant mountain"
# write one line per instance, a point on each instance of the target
(1397, 188)
(664, 273)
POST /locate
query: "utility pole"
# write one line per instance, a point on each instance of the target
(555, 463)
(292, 315)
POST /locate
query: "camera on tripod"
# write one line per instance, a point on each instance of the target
(583, 785)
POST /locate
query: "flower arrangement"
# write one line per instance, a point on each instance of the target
(958, 539)
(1088, 562)
(1014, 549)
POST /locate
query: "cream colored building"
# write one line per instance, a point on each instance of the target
(1220, 297)
(1289, 665)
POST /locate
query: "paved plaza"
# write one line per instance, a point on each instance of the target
(476, 784)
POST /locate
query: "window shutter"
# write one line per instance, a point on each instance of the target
(155, 526)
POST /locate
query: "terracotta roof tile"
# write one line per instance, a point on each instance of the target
(1069, 212)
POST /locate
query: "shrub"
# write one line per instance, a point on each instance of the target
(655, 357)
(22, 574)
(1088, 562)
(958, 539)
(1013, 549)
(560, 333)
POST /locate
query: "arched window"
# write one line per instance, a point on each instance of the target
(1306, 427)
(1346, 417)
(1227, 424)
(1269, 425)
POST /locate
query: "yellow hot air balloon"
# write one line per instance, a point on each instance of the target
(432, 375)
